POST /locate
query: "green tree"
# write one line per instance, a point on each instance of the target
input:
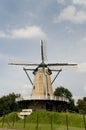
(84, 98)
(61, 91)
(81, 104)
(64, 92)
(8, 104)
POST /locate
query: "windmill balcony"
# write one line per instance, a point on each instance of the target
(54, 98)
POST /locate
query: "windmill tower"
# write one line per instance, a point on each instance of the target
(42, 82)
(42, 93)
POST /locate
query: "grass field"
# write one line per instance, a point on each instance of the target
(42, 127)
(44, 121)
(46, 127)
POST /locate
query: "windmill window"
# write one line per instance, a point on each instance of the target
(33, 87)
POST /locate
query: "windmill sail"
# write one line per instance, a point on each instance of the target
(42, 85)
(42, 53)
(43, 69)
(22, 64)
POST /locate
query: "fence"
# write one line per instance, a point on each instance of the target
(66, 124)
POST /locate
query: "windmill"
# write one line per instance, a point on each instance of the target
(42, 84)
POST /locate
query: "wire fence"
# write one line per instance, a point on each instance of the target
(37, 125)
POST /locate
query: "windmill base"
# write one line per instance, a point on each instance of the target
(42, 105)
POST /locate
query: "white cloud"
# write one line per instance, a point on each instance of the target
(71, 14)
(82, 67)
(27, 32)
(76, 2)
(2, 34)
(79, 2)
(85, 88)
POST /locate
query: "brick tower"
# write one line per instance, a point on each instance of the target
(42, 87)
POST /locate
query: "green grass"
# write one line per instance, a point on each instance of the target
(44, 120)
(48, 127)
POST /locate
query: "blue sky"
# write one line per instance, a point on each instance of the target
(61, 23)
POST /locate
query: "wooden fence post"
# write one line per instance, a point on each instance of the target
(37, 122)
(51, 123)
(67, 121)
(84, 121)
(24, 121)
